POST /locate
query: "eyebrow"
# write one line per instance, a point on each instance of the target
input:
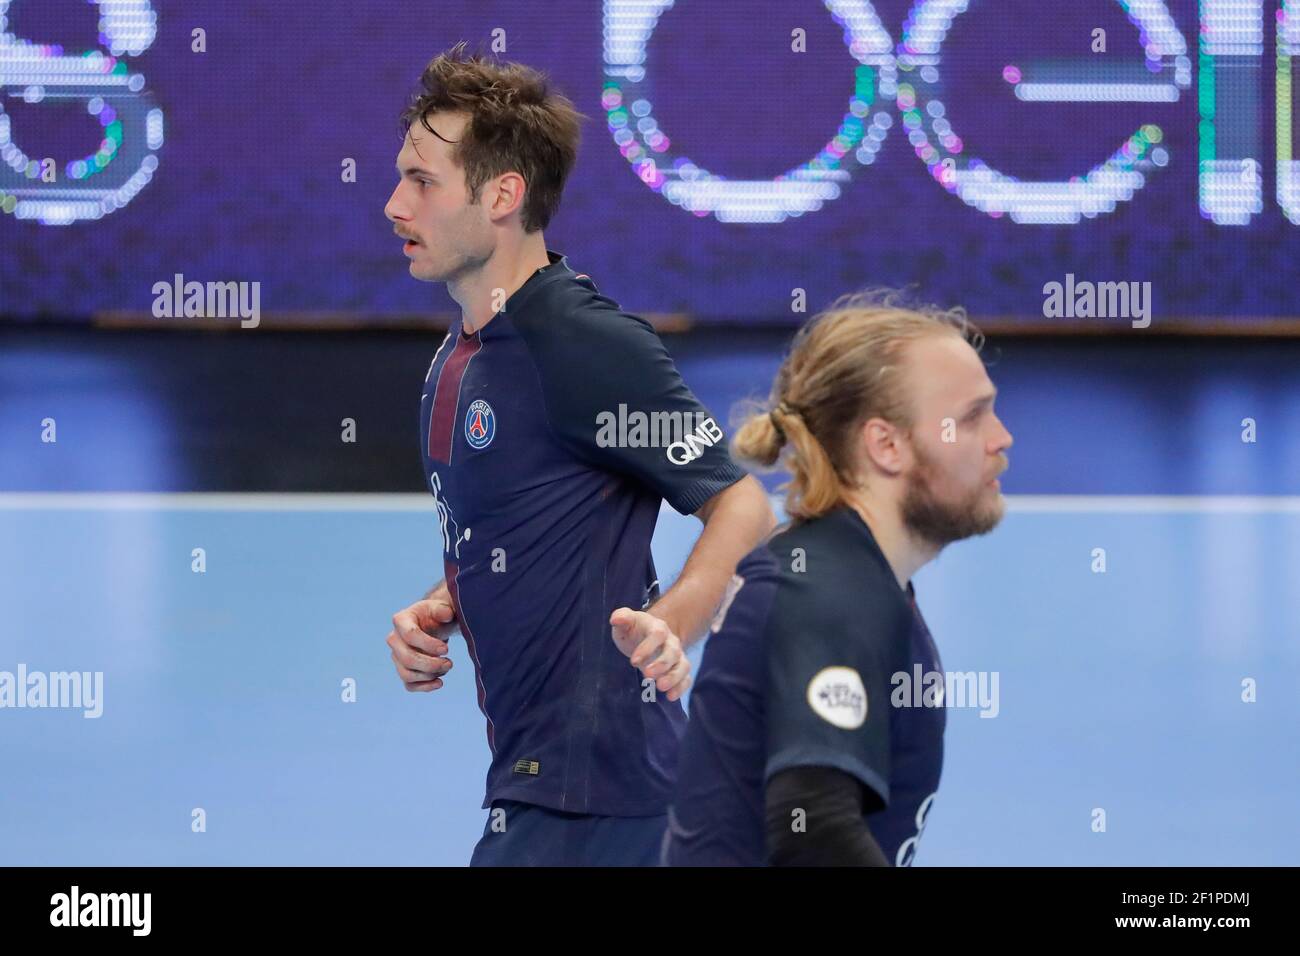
(982, 401)
(418, 170)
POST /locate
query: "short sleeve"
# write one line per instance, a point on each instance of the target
(829, 676)
(616, 399)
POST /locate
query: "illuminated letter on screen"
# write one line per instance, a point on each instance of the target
(627, 98)
(1167, 70)
(103, 182)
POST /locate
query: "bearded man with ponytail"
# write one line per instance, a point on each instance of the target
(796, 753)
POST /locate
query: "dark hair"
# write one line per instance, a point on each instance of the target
(517, 124)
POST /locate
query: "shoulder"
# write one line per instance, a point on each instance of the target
(832, 581)
(760, 565)
(747, 599)
(569, 312)
(753, 583)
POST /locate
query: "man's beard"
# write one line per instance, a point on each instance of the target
(940, 522)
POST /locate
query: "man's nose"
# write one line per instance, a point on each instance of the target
(1004, 440)
(393, 209)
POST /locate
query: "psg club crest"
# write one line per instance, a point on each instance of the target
(480, 424)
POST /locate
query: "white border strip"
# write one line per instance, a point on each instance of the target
(273, 501)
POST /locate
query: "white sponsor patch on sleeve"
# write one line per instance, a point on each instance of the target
(837, 696)
(733, 588)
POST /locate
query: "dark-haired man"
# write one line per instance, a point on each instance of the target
(546, 526)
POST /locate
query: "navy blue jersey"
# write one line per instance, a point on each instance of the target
(801, 670)
(550, 437)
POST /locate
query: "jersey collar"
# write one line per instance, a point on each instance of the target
(557, 267)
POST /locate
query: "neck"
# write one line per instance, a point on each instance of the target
(481, 293)
(905, 553)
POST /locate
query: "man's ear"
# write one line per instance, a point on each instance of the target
(506, 195)
(885, 446)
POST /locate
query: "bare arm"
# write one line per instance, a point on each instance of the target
(735, 521)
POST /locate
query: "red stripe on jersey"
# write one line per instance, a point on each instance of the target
(446, 397)
(451, 571)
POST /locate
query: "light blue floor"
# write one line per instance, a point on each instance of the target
(222, 690)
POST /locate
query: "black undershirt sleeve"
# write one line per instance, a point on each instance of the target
(835, 833)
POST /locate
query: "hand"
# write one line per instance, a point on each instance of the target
(653, 648)
(419, 642)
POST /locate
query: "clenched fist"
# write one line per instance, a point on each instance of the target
(419, 641)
